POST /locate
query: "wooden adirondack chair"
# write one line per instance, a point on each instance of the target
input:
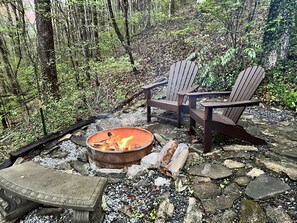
(225, 123)
(181, 78)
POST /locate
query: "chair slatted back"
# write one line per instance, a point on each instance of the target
(181, 77)
(244, 88)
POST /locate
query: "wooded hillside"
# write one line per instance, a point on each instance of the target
(78, 58)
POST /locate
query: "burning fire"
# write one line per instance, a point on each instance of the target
(115, 143)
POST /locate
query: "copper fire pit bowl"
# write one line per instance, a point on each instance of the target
(119, 159)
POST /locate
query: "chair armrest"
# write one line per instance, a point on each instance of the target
(193, 96)
(209, 94)
(191, 89)
(210, 106)
(151, 86)
(229, 104)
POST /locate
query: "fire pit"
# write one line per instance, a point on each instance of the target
(119, 147)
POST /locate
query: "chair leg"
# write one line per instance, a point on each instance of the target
(179, 119)
(192, 126)
(148, 113)
(207, 138)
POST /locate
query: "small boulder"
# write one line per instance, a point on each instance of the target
(135, 170)
(160, 181)
(150, 161)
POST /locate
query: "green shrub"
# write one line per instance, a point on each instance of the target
(281, 85)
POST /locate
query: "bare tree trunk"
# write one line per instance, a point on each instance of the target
(3, 112)
(149, 8)
(46, 47)
(15, 89)
(96, 51)
(171, 8)
(84, 37)
(126, 46)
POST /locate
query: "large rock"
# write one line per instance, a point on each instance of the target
(289, 151)
(165, 211)
(80, 167)
(227, 217)
(214, 171)
(222, 202)
(277, 215)
(113, 175)
(219, 203)
(251, 212)
(232, 189)
(79, 140)
(206, 190)
(193, 214)
(279, 167)
(265, 187)
(193, 159)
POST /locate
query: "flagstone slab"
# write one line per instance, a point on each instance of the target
(214, 171)
(264, 187)
(277, 214)
(206, 190)
(251, 212)
(231, 164)
(286, 150)
(219, 203)
(240, 148)
(279, 167)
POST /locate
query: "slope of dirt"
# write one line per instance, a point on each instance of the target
(157, 47)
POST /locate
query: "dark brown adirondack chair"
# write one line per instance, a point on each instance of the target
(225, 123)
(181, 78)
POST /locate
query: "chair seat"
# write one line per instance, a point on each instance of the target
(165, 104)
(199, 115)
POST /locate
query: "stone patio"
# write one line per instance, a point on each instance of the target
(237, 182)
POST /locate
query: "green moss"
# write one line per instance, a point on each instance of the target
(251, 212)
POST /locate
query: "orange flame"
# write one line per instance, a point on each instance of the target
(115, 143)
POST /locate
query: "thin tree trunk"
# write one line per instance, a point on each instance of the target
(171, 7)
(8, 68)
(149, 6)
(120, 36)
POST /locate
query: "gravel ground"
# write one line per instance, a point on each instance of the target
(138, 199)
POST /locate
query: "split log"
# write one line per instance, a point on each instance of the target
(172, 158)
